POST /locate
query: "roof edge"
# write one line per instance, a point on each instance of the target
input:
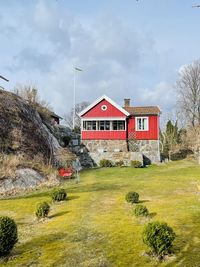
(99, 100)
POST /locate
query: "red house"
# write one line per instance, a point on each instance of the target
(108, 127)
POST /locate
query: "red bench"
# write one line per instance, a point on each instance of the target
(66, 172)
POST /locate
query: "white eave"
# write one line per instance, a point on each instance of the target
(99, 100)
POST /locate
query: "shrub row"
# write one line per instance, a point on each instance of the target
(108, 163)
(158, 236)
(43, 208)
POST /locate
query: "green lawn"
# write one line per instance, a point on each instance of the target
(96, 228)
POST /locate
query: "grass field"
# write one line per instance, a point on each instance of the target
(96, 227)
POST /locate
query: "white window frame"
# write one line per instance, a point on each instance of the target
(136, 124)
(103, 119)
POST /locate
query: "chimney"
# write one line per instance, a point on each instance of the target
(127, 102)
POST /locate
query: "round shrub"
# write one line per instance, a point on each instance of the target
(132, 197)
(105, 163)
(159, 237)
(141, 210)
(42, 210)
(8, 235)
(119, 163)
(59, 195)
(136, 164)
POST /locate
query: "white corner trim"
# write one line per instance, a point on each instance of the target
(99, 100)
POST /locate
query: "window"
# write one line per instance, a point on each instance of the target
(104, 125)
(142, 124)
(89, 125)
(118, 125)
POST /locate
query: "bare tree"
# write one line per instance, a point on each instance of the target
(30, 94)
(69, 116)
(188, 88)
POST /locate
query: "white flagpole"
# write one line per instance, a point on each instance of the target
(74, 98)
(74, 104)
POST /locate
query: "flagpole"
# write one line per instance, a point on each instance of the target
(74, 98)
(74, 104)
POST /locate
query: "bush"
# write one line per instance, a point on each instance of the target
(181, 154)
(132, 197)
(141, 210)
(119, 163)
(59, 195)
(136, 164)
(8, 235)
(159, 237)
(42, 210)
(105, 163)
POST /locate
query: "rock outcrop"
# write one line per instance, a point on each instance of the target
(22, 129)
(25, 179)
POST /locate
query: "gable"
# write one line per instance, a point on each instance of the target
(104, 107)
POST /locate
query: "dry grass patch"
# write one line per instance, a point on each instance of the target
(9, 164)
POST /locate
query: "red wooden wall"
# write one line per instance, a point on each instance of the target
(103, 135)
(151, 134)
(111, 111)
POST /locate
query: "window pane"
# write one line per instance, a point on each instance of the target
(102, 125)
(89, 125)
(107, 126)
(146, 124)
(114, 125)
(94, 125)
(121, 125)
(139, 123)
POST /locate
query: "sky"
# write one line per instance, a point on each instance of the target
(126, 49)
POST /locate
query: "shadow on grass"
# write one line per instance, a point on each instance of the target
(31, 195)
(74, 189)
(34, 247)
(186, 247)
(95, 187)
(58, 214)
(72, 197)
(143, 201)
(36, 194)
(152, 215)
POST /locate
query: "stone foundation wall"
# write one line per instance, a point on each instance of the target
(149, 148)
(105, 145)
(127, 157)
(116, 150)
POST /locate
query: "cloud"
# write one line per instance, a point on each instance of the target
(51, 41)
(32, 60)
(163, 93)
